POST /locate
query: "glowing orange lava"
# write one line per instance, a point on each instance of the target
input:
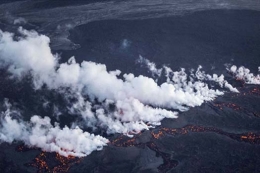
(60, 163)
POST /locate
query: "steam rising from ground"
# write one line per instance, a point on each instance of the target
(150, 65)
(244, 74)
(103, 99)
(40, 133)
(181, 77)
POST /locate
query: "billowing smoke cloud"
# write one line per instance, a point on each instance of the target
(125, 105)
(244, 74)
(40, 133)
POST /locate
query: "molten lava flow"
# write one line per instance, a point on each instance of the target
(254, 91)
(24, 148)
(55, 163)
(40, 163)
(157, 135)
(46, 162)
(253, 138)
(65, 163)
(228, 105)
(234, 107)
(250, 137)
(168, 162)
(124, 141)
(21, 148)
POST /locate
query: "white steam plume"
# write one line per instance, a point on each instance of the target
(131, 95)
(94, 78)
(201, 75)
(40, 133)
(139, 102)
(244, 74)
(130, 115)
(181, 77)
(150, 65)
(30, 53)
